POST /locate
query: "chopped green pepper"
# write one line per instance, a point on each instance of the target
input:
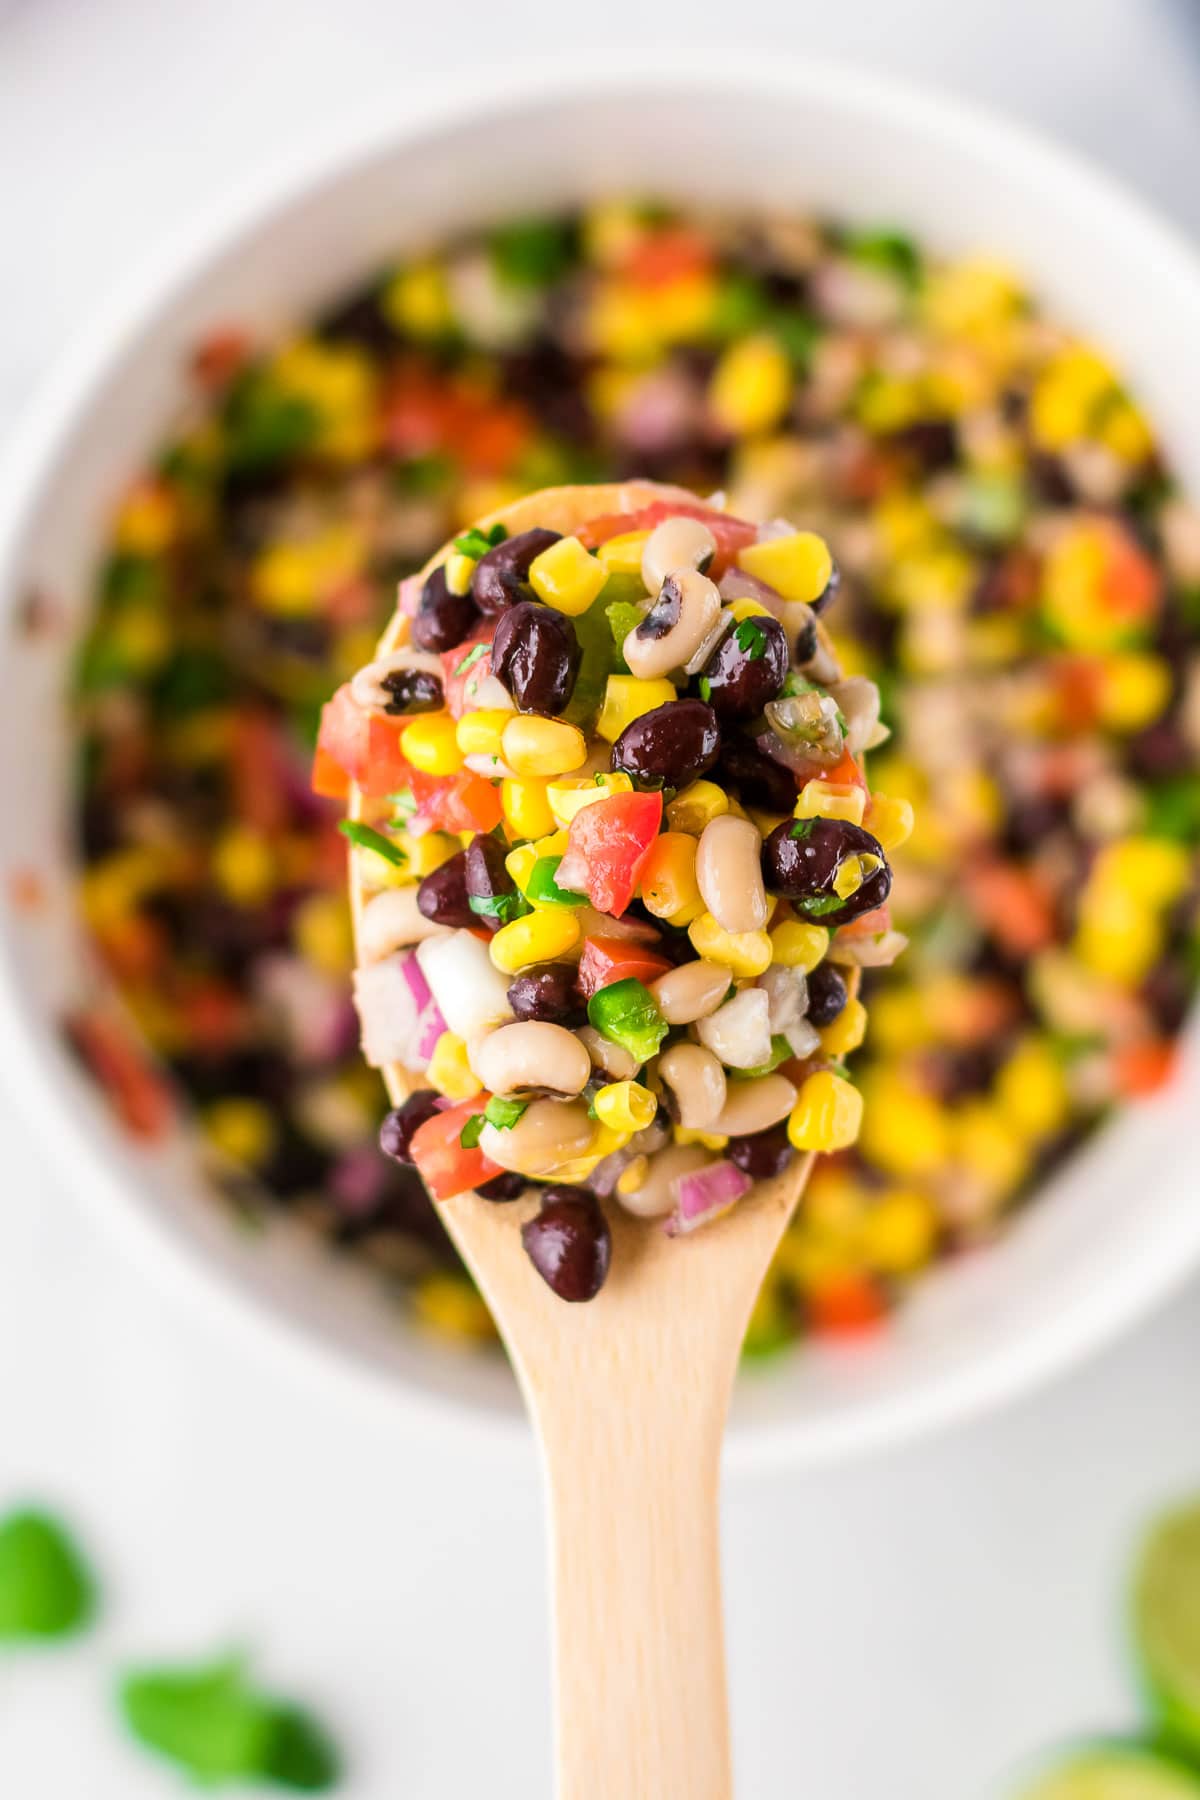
(543, 890)
(626, 1012)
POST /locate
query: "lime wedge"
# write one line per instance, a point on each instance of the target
(1115, 1772)
(1166, 1621)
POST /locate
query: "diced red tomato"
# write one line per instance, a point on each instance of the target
(142, 1099)
(731, 534)
(607, 959)
(1013, 904)
(463, 802)
(329, 779)
(259, 772)
(365, 746)
(1131, 581)
(218, 357)
(1145, 1068)
(444, 1165)
(425, 415)
(868, 924)
(612, 838)
(849, 1306)
(846, 772)
(668, 255)
(461, 690)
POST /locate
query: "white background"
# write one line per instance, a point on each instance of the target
(899, 1630)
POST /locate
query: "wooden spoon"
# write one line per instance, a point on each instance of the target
(628, 1394)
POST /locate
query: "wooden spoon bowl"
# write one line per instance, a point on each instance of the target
(629, 1395)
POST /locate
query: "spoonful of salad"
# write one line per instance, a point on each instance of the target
(615, 869)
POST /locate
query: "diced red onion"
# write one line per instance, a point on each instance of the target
(311, 1010)
(604, 1177)
(735, 584)
(430, 1028)
(387, 1013)
(876, 952)
(418, 986)
(356, 1182)
(803, 1039)
(787, 992)
(467, 986)
(704, 1195)
(572, 872)
(858, 699)
(409, 596)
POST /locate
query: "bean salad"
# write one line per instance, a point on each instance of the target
(1018, 574)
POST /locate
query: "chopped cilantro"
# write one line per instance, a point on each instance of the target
(802, 829)
(477, 543)
(216, 1726)
(752, 639)
(365, 837)
(815, 906)
(532, 252)
(889, 251)
(503, 1113)
(475, 654)
(46, 1590)
(505, 907)
(705, 688)
(468, 1137)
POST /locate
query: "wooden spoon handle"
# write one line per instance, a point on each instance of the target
(640, 1663)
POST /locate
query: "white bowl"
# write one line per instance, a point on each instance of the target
(1121, 1226)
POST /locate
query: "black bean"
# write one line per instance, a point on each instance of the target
(827, 994)
(413, 691)
(486, 876)
(757, 780)
(442, 895)
(536, 654)
(548, 992)
(807, 641)
(801, 858)
(763, 1153)
(932, 443)
(508, 1186)
(569, 1243)
(676, 743)
(396, 1132)
(829, 593)
(747, 668)
(443, 619)
(500, 575)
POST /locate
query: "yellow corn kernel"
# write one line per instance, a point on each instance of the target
(847, 1031)
(430, 744)
(766, 822)
(1125, 432)
(244, 865)
(553, 844)
(322, 935)
(1031, 1090)
(669, 877)
(899, 1020)
(625, 1106)
(147, 519)
(449, 1305)
(428, 852)
(1119, 937)
(539, 937)
(626, 698)
(696, 806)
(479, 733)
(795, 945)
(567, 577)
(623, 555)
(572, 795)
(827, 1114)
(750, 609)
(744, 953)
(417, 300)
(1134, 690)
(831, 800)
(989, 1148)
(751, 386)
(889, 820)
(686, 1134)
(459, 570)
(898, 1235)
(525, 806)
(449, 1071)
(531, 745)
(520, 864)
(632, 1177)
(242, 1130)
(799, 566)
(852, 871)
(905, 1130)
(1151, 869)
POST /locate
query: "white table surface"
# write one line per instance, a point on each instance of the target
(904, 1629)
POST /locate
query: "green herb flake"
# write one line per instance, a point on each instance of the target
(468, 1137)
(889, 251)
(503, 1113)
(214, 1724)
(626, 1012)
(752, 639)
(505, 907)
(474, 655)
(705, 688)
(532, 252)
(46, 1588)
(802, 829)
(365, 837)
(817, 906)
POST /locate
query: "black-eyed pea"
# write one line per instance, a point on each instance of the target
(691, 992)
(654, 1198)
(696, 1082)
(729, 873)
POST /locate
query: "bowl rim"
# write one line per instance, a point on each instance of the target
(34, 1070)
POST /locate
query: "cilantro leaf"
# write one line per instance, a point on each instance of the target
(815, 906)
(532, 252)
(802, 829)
(476, 543)
(216, 1726)
(46, 1588)
(475, 654)
(503, 1113)
(705, 688)
(751, 638)
(505, 907)
(365, 837)
(468, 1137)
